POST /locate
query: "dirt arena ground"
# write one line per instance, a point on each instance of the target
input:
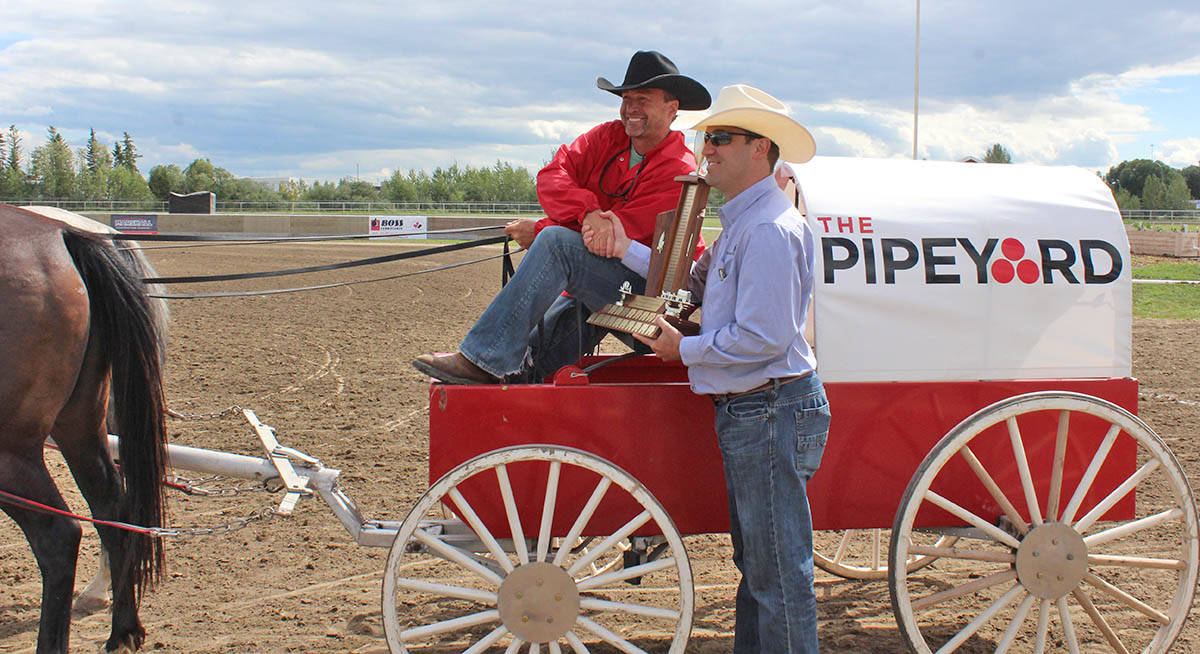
(329, 369)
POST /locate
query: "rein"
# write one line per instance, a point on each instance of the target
(194, 240)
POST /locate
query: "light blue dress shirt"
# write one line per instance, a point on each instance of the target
(754, 285)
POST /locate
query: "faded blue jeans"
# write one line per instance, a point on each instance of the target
(771, 443)
(557, 261)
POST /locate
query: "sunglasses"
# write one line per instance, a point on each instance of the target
(725, 138)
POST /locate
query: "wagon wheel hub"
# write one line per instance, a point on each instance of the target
(538, 602)
(1052, 560)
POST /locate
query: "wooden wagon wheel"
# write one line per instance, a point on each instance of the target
(863, 553)
(1118, 585)
(457, 586)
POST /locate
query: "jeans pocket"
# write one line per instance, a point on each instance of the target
(746, 409)
(812, 431)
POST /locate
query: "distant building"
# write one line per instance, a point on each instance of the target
(271, 183)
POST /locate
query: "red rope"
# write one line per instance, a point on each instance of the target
(42, 508)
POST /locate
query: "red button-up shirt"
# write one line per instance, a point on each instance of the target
(571, 185)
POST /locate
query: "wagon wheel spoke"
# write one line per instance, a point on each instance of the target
(487, 641)
(446, 590)
(533, 604)
(1132, 528)
(1014, 626)
(543, 544)
(1089, 476)
(1043, 626)
(1136, 562)
(468, 514)
(994, 490)
(1092, 459)
(1018, 446)
(510, 509)
(609, 578)
(577, 645)
(1115, 496)
(585, 516)
(862, 553)
(600, 606)
(1056, 470)
(996, 607)
(964, 554)
(1068, 625)
(1099, 621)
(964, 589)
(1127, 599)
(608, 636)
(456, 555)
(610, 542)
(452, 625)
(972, 518)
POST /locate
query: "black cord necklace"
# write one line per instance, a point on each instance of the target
(628, 190)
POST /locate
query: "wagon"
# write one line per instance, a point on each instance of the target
(973, 328)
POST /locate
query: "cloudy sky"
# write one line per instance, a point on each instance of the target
(323, 89)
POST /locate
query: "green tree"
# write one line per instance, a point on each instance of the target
(95, 154)
(1126, 200)
(1154, 194)
(1191, 175)
(291, 189)
(997, 154)
(1132, 175)
(165, 180)
(14, 148)
(52, 164)
(202, 175)
(401, 187)
(126, 184)
(129, 154)
(1177, 194)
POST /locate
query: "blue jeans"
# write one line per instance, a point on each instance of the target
(771, 443)
(557, 261)
(562, 338)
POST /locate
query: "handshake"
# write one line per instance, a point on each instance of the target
(604, 235)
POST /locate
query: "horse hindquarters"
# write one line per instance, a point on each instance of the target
(123, 341)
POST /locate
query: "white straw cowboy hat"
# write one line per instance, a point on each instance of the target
(753, 110)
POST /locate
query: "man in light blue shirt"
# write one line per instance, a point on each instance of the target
(754, 286)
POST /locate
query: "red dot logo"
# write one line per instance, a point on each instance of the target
(1004, 270)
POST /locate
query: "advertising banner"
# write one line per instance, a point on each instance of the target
(960, 271)
(135, 223)
(398, 226)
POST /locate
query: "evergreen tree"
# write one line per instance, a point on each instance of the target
(129, 154)
(997, 154)
(93, 144)
(14, 148)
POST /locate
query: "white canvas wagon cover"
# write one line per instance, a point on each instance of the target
(963, 271)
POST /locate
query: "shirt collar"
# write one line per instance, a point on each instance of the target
(739, 205)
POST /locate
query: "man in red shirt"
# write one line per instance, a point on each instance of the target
(623, 169)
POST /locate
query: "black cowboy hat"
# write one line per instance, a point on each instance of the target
(649, 69)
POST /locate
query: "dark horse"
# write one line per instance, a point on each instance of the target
(74, 321)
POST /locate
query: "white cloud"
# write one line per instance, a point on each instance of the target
(271, 88)
(1180, 153)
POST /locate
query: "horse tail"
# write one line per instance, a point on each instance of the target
(124, 328)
